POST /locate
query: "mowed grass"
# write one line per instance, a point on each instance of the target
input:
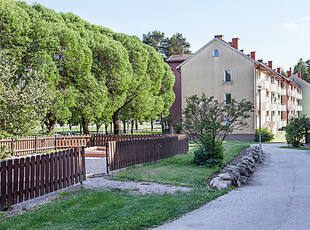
(125, 209)
(178, 170)
(91, 209)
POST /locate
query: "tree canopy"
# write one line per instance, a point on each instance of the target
(166, 46)
(303, 67)
(92, 73)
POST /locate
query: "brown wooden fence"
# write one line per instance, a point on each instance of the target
(27, 177)
(126, 153)
(33, 145)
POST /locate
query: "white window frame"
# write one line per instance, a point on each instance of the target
(224, 73)
(217, 51)
(225, 98)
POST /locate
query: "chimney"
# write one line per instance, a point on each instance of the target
(235, 43)
(289, 72)
(299, 74)
(279, 70)
(219, 36)
(242, 51)
(260, 60)
(253, 55)
(270, 64)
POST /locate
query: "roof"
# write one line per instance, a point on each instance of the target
(178, 57)
(259, 64)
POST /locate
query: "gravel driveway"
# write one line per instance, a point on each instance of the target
(277, 197)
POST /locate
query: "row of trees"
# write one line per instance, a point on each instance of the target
(67, 70)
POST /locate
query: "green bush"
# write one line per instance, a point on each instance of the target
(208, 156)
(266, 135)
(296, 130)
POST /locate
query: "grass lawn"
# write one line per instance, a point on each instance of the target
(300, 148)
(93, 209)
(116, 209)
(178, 170)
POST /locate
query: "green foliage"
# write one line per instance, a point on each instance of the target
(296, 130)
(177, 44)
(88, 68)
(211, 154)
(208, 121)
(266, 135)
(304, 68)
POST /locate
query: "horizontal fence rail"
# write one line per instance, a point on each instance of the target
(25, 178)
(126, 153)
(33, 145)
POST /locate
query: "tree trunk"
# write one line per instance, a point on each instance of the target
(132, 126)
(50, 123)
(111, 127)
(152, 125)
(136, 125)
(116, 123)
(106, 128)
(162, 123)
(98, 127)
(124, 124)
(85, 125)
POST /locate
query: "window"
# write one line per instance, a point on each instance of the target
(227, 75)
(216, 53)
(227, 98)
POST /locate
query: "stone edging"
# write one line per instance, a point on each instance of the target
(239, 173)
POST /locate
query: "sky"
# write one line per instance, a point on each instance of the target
(277, 30)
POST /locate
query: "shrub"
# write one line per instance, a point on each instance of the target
(266, 135)
(206, 155)
(296, 130)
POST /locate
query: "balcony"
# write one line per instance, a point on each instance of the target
(298, 107)
(283, 107)
(279, 125)
(273, 107)
(299, 96)
(273, 88)
(283, 123)
(283, 91)
(279, 107)
(264, 83)
(265, 106)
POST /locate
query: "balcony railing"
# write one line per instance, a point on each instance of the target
(299, 96)
(273, 87)
(283, 91)
(283, 123)
(298, 107)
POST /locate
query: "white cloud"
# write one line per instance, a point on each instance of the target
(289, 26)
(306, 19)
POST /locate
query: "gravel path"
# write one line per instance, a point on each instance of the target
(143, 187)
(97, 182)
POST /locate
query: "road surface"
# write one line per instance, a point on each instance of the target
(277, 197)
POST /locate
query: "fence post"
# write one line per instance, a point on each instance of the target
(83, 164)
(13, 145)
(55, 142)
(36, 145)
(107, 157)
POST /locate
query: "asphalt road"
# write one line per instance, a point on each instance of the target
(277, 197)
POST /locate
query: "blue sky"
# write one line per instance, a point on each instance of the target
(276, 30)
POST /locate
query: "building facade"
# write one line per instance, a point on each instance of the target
(221, 70)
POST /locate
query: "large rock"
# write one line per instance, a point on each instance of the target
(243, 179)
(226, 176)
(220, 183)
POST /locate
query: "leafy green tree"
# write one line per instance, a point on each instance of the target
(22, 106)
(155, 39)
(208, 122)
(304, 68)
(177, 44)
(296, 130)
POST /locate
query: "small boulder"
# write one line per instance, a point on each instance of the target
(243, 179)
(220, 184)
